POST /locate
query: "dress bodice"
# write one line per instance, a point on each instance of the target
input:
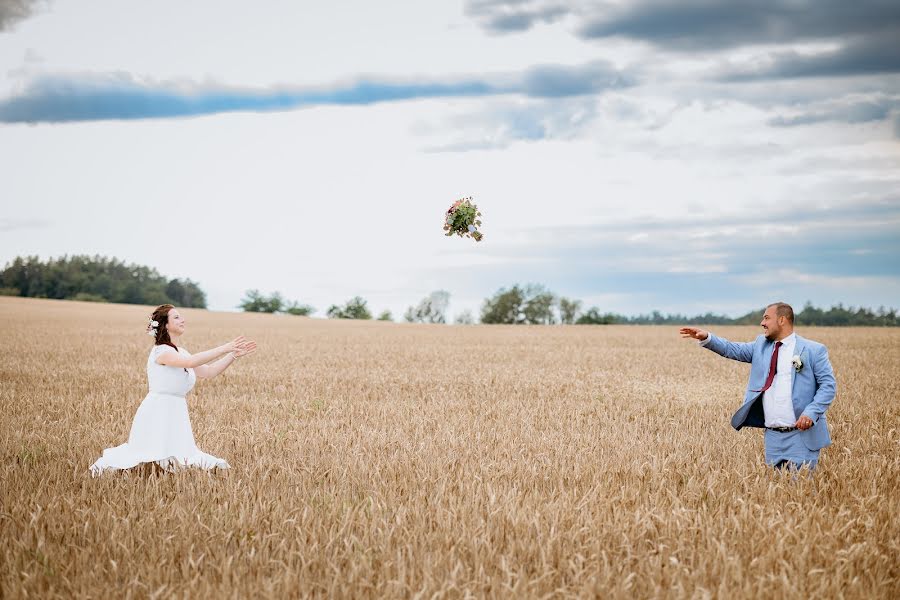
(169, 380)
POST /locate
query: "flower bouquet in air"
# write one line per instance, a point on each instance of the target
(463, 219)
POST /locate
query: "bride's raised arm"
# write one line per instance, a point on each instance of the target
(213, 369)
(176, 359)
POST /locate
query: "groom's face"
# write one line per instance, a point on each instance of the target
(771, 323)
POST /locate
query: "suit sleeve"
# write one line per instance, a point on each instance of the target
(741, 351)
(826, 386)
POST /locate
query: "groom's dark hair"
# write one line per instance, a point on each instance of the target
(783, 309)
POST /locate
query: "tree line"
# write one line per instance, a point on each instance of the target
(101, 279)
(534, 304)
(96, 279)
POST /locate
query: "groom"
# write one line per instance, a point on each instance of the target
(791, 386)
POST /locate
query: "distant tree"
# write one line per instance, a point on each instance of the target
(175, 290)
(432, 309)
(568, 310)
(531, 304)
(538, 309)
(505, 307)
(465, 318)
(185, 293)
(593, 316)
(86, 297)
(887, 318)
(255, 302)
(840, 316)
(751, 318)
(98, 277)
(15, 276)
(355, 308)
(276, 303)
(386, 316)
(301, 310)
(708, 319)
(837, 315)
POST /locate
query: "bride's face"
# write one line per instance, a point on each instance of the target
(176, 322)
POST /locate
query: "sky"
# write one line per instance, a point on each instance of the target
(686, 156)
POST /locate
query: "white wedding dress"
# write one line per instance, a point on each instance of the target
(161, 431)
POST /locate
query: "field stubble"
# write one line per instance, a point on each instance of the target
(373, 459)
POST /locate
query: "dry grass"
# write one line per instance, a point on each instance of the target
(386, 460)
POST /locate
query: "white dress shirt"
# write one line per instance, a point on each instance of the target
(777, 404)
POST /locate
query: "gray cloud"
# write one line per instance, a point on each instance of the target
(711, 24)
(503, 124)
(883, 210)
(12, 11)
(859, 111)
(515, 15)
(554, 81)
(122, 96)
(699, 24)
(869, 56)
(854, 238)
(867, 30)
(7, 224)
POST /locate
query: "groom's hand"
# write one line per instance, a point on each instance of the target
(694, 333)
(803, 423)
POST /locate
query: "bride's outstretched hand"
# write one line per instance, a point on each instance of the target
(235, 343)
(244, 349)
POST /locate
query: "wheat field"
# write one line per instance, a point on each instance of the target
(373, 459)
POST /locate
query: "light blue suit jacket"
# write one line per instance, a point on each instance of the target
(812, 391)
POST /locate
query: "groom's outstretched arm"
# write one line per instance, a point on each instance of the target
(742, 351)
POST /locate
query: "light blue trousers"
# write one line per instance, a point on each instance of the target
(787, 450)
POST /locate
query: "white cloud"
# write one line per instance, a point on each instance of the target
(766, 279)
(697, 268)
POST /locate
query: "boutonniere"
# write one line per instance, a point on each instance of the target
(798, 364)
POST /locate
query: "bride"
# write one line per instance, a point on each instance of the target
(161, 431)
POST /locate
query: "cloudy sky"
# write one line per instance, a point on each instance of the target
(683, 156)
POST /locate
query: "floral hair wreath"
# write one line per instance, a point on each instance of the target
(152, 327)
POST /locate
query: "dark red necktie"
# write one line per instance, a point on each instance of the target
(773, 366)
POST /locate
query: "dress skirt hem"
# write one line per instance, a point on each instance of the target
(161, 432)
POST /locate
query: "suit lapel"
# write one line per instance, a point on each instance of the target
(798, 351)
(767, 352)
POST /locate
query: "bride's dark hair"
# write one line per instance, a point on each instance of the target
(161, 316)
